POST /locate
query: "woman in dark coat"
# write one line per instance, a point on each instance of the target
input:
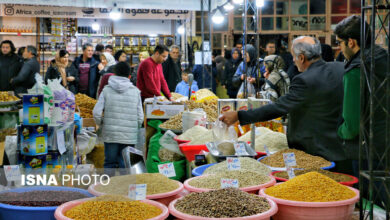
(61, 68)
(230, 69)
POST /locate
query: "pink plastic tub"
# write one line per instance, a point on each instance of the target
(250, 189)
(61, 210)
(339, 210)
(262, 216)
(164, 198)
(349, 183)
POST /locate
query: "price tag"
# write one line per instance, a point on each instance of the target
(137, 191)
(53, 53)
(12, 173)
(240, 149)
(267, 150)
(61, 141)
(167, 169)
(289, 159)
(233, 163)
(226, 183)
(105, 35)
(89, 35)
(241, 130)
(290, 172)
(257, 132)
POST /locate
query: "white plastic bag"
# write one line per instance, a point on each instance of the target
(48, 99)
(250, 89)
(61, 111)
(86, 141)
(10, 145)
(167, 141)
(221, 132)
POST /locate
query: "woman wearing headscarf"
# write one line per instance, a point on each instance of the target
(107, 63)
(62, 68)
(277, 81)
(252, 72)
(106, 68)
(231, 66)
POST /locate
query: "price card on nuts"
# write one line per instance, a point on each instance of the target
(289, 159)
(226, 183)
(240, 149)
(233, 163)
(137, 191)
(12, 173)
(167, 169)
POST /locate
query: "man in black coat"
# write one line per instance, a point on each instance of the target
(26, 77)
(8, 64)
(172, 68)
(313, 103)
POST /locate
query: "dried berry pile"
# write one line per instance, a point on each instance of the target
(39, 198)
(223, 203)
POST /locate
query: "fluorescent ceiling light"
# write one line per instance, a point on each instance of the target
(228, 6)
(218, 17)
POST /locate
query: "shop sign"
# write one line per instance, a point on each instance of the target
(14, 10)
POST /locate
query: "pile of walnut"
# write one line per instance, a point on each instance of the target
(7, 97)
(209, 106)
(85, 104)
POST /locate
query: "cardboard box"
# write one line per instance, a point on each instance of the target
(33, 110)
(33, 139)
(162, 111)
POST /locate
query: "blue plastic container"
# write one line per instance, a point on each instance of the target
(8, 212)
(333, 164)
(200, 169)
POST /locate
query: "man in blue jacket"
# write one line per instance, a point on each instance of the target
(88, 71)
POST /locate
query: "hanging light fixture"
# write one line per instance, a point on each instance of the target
(181, 30)
(115, 14)
(238, 2)
(228, 6)
(259, 3)
(95, 26)
(218, 17)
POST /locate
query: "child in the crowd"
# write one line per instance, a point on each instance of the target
(123, 116)
(183, 87)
